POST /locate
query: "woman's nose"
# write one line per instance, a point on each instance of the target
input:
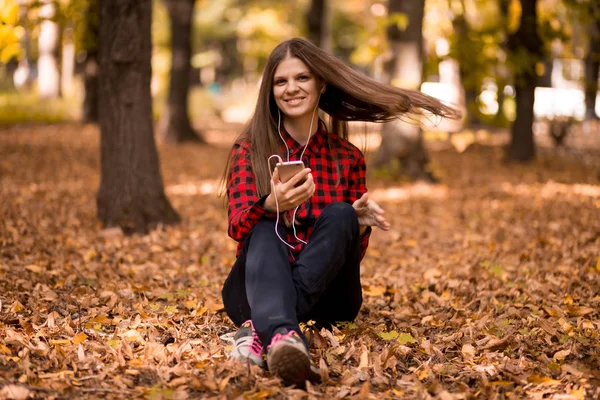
(292, 86)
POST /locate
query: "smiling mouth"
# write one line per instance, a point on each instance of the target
(294, 101)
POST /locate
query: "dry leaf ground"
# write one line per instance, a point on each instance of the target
(487, 286)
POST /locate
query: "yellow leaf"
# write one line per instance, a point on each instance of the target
(136, 362)
(79, 338)
(578, 394)
(404, 338)
(171, 309)
(102, 319)
(423, 373)
(568, 299)
(59, 341)
(411, 243)
(5, 350)
(374, 290)
(190, 304)
(543, 380)
(598, 265)
(388, 335)
(90, 255)
(16, 307)
(201, 310)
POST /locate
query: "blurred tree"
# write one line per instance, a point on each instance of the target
(467, 48)
(174, 124)
(24, 76)
(48, 42)
(502, 72)
(402, 141)
(525, 46)
(592, 62)
(90, 69)
(131, 193)
(319, 26)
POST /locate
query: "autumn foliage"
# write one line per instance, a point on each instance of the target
(487, 285)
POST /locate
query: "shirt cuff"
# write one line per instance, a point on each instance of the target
(260, 204)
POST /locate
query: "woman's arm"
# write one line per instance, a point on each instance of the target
(245, 208)
(357, 186)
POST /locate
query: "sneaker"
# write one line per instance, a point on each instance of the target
(288, 358)
(247, 346)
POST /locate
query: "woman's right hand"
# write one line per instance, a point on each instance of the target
(288, 195)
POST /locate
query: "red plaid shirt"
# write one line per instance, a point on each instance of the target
(246, 209)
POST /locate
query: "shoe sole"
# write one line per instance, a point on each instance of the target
(290, 364)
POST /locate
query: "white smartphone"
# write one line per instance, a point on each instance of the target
(288, 169)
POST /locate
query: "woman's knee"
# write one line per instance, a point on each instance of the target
(343, 213)
(264, 245)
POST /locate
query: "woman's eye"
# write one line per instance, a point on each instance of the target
(303, 78)
(279, 82)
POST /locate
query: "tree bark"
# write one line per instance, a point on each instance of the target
(592, 69)
(174, 125)
(131, 193)
(90, 70)
(401, 141)
(48, 42)
(525, 46)
(317, 20)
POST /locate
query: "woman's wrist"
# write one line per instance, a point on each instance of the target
(268, 204)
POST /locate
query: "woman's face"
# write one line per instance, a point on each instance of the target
(295, 88)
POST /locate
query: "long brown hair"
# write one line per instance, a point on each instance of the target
(349, 96)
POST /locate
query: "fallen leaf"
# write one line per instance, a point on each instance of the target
(468, 352)
(34, 268)
(14, 392)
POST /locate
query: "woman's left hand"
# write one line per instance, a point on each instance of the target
(369, 213)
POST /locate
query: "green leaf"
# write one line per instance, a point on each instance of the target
(388, 335)
(406, 338)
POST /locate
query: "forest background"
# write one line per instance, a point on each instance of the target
(116, 118)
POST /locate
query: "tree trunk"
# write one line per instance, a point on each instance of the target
(90, 70)
(67, 69)
(401, 141)
(48, 42)
(592, 68)
(131, 193)
(317, 20)
(526, 50)
(23, 76)
(174, 125)
(502, 72)
(470, 89)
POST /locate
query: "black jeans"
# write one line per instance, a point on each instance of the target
(322, 284)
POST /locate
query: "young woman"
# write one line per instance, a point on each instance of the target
(301, 241)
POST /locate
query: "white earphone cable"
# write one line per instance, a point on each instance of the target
(288, 159)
